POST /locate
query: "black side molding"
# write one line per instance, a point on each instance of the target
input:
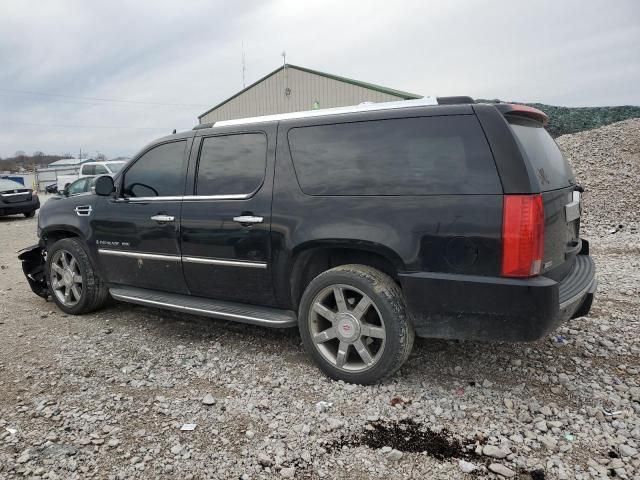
(454, 100)
(512, 167)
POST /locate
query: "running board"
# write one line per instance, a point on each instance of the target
(239, 312)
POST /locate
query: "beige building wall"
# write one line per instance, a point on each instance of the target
(268, 97)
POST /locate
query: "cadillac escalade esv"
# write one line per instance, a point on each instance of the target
(363, 226)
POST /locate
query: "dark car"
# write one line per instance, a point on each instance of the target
(15, 198)
(53, 188)
(363, 226)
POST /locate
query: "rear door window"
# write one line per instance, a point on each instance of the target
(231, 164)
(100, 170)
(409, 156)
(157, 173)
(550, 167)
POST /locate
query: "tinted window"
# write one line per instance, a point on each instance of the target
(100, 170)
(233, 164)
(158, 172)
(409, 156)
(550, 167)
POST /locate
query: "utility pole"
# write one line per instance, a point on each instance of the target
(243, 65)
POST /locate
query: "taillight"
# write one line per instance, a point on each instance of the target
(522, 235)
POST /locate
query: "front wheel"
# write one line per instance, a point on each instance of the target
(354, 324)
(75, 286)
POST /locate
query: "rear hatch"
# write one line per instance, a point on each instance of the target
(560, 196)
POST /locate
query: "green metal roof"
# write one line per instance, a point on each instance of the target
(370, 86)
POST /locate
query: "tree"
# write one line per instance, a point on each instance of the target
(101, 157)
(20, 153)
(38, 153)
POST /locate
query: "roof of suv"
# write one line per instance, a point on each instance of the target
(363, 107)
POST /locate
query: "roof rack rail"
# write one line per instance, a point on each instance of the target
(204, 125)
(363, 107)
(454, 100)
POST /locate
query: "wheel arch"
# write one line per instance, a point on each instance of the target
(310, 259)
(52, 234)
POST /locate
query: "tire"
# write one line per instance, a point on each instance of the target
(93, 294)
(29, 214)
(368, 359)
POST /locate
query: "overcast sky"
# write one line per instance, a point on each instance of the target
(188, 53)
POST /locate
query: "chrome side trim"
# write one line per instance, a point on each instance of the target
(187, 309)
(238, 196)
(149, 256)
(186, 198)
(230, 263)
(177, 258)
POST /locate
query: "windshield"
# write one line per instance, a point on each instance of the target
(10, 185)
(115, 166)
(551, 169)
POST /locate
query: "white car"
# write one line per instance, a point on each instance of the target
(91, 169)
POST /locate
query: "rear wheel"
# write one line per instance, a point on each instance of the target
(29, 214)
(353, 322)
(74, 285)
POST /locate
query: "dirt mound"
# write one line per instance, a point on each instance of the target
(606, 161)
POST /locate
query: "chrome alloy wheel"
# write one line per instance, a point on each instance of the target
(66, 279)
(347, 328)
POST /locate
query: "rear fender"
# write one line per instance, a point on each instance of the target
(33, 266)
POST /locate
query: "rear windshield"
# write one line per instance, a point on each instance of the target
(550, 167)
(10, 185)
(409, 156)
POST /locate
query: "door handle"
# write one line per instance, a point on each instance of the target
(248, 219)
(163, 218)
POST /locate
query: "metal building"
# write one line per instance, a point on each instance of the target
(292, 89)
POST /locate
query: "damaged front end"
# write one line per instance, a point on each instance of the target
(34, 267)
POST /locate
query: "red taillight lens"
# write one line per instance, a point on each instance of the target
(522, 235)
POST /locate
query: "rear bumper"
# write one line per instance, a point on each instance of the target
(21, 207)
(493, 308)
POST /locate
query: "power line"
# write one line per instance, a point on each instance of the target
(44, 125)
(97, 104)
(98, 99)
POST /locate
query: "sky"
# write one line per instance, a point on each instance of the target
(110, 76)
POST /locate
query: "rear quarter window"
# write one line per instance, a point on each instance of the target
(409, 156)
(544, 156)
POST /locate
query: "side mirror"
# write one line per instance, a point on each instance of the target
(104, 186)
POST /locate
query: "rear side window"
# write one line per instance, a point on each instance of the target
(409, 156)
(550, 167)
(231, 164)
(157, 173)
(100, 170)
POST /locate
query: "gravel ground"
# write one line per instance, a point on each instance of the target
(105, 395)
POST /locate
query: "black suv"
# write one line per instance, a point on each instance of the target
(363, 225)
